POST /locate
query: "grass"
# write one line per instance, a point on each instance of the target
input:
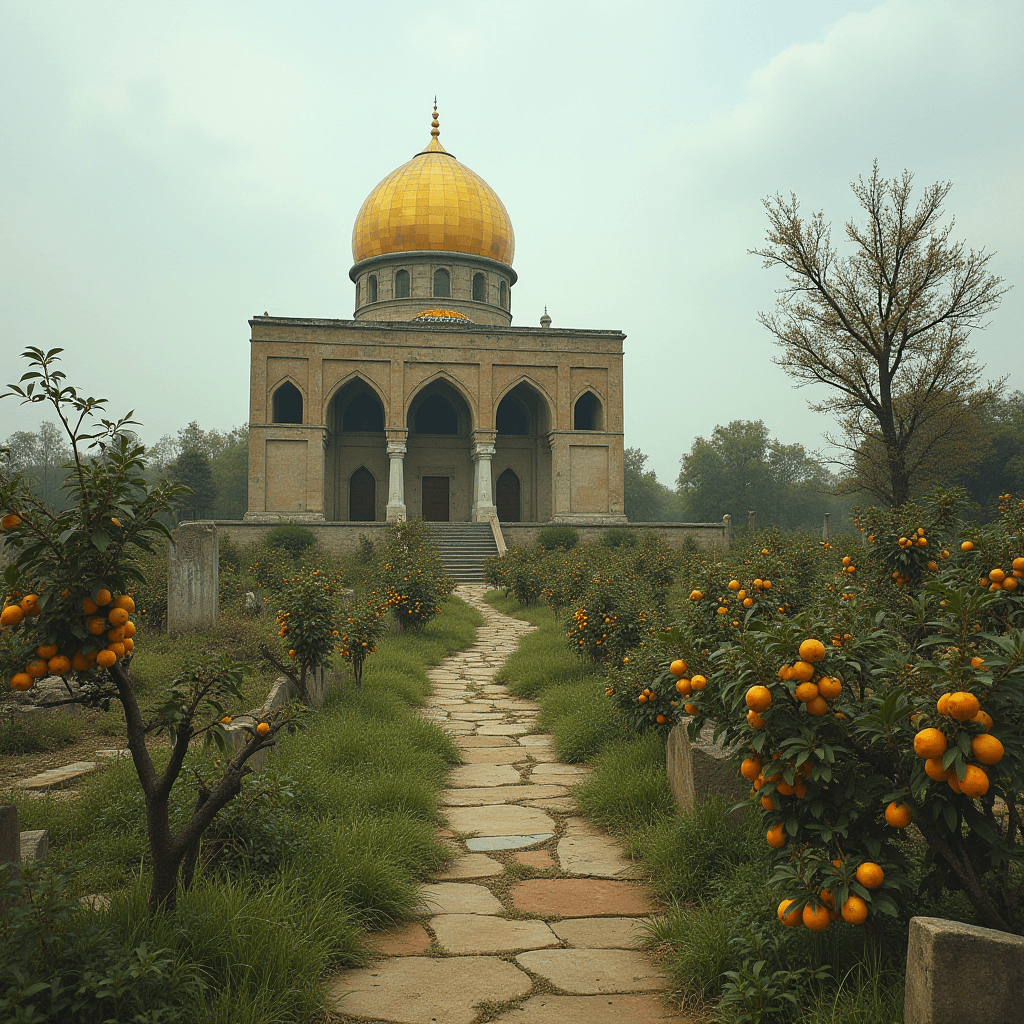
(328, 841)
(40, 733)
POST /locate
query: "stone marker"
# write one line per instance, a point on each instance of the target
(470, 865)
(701, 769)
(962, 974)
(192, 577)
(35, 845)
(471, 933)
(424, 990)
(619, 1009)
(499, 820)
(590, 971)
(602, 932)
(57, 778)
(581, 897)
(458, 898)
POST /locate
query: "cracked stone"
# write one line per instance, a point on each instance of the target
(469, 775)
(499, 795)
(470, 933)
(592, 971)
(499, 820)
(602, 932)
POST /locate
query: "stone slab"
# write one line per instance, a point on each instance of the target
(536, 740)
(458, 898)
(596, 856)
(498, 795)
(495, 755)
(468, 742)
(602, 932)
(470, 865)
(503, 730)
(499, 820)
(581, 897)
(962, 974)
(617, 1009)
(56, 778)
(471, 933)
(35, 844)
(425, 990)
(563, 803)
(410, 939)
(540, 859)
(559, 770)
(592, 971)
(482, 843)
(469, 775)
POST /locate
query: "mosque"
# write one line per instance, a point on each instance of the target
(428, 403)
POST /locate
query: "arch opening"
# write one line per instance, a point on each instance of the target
(508, 497)
(479, 288)
(286, 404)
(442, 284)
(587, 413)
(439, 409)
(523, 411)
(402, 284)
(503, 295)
(372, 288)
(357, 408)
(362, 496)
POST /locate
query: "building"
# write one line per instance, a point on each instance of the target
(428, 403)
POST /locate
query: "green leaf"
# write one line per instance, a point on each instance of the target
(100, 539)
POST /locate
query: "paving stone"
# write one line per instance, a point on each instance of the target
(499, 795)
(470, 865)
(499, 820)
(536, 740)
(459, 730)
(426, 990)
(576, 772)
(468, 742)
(596, 856)
(581, 897)
(482, 843)
(591, 971)
(535, 859)
(56, 778)
(494, 755)
(602, 932)
(503, 730)
(483, 775)
(562, 803)
(410, 939)
(458, 898)
(618, 1009)
(476, 716)
(471, 933)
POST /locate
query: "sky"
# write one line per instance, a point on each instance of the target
(167, 170)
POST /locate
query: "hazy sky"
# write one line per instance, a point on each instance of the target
(169, 169)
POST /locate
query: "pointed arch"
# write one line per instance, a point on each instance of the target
(344, 382)
(442, 376)
(362, 496)
(550, 408)
(287, 401)
(588, 410)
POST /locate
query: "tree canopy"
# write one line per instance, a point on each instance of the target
(646, 499)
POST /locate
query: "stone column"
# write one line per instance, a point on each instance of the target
(193, 577)
(397, 512)
(483, 492)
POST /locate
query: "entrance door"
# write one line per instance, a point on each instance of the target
(362, 496)
(506, 495)
(435, 499)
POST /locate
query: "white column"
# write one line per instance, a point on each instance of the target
(396, 511)
(483, 493)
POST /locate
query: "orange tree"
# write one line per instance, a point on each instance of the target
(362, 625)
(67, 613)
(895, 698)
(410, 576)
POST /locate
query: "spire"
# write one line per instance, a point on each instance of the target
(434, 145)
(434, 128)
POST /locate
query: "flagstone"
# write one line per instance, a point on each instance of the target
(470, 865)
(504, 730)
(482, 843)
(541, 859)
(472, 933)
(590, 971)
(560, 803)
(499, 820)
(607, 1009)
(499, 795)
(581, 897)
(485, 741)
(494, 755)
(602, 932)
(597, 856)
(536, 740)
(458, 898)
(410, 939)
(566, 771)
(483, 775)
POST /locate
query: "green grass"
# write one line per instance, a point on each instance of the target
(39, 733)
(328, 841)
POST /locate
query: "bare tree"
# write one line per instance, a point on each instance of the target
(886, 328)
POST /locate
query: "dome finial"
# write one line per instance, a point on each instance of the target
(434, 131)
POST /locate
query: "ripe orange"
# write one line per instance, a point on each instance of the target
(1010, 584)
(987, 749)
(767, 584)
(642, 699)
(734, 584)
(30, 604)
(800, 789)
(11, 615)
(963, 706)
(263, 728)
(661, 719)
(870, 875)
(776, 836)
(818, 707)
(785, 788)
(46, 651)
(812, 650)
(816, 918)
(36, 668)
(942, 704)
(786, 672)
(684, 686)
(898, 815)
(806, 692)
(967, 546)
(974, 782)
(758, 698)
(117, 616)
(934, 770)
(790, 918)
(768, 803)
(698, 682)
(59, 665)
(80, 663)
(984, 719)
(953, 781)
(829, 687)
(750, 768)
(723, 610)
(103, 597)
(1018, 565)
(116, 634)
(996, 575)
(105, 659)
(21, 681)
(855, 910)
(802, 671)
(977, 662)
(96, 625)
(129, 644)
(89, 606)
(117, 648)
(755, 721)
(125, 602)
(10, 521)
(695, 595)
(748, 602)
(930, 743)
(678, 668)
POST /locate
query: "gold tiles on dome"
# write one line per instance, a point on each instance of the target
(433, 203)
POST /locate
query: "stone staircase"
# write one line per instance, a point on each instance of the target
(463, 548)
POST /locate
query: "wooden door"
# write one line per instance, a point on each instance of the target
(362, 496)
(435, 499)
(507, 498)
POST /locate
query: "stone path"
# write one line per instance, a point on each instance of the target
(535, 918)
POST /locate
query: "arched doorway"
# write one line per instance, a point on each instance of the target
(507, 497)
(438, 468)
(362, 496)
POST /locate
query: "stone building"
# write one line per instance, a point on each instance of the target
(428, 403)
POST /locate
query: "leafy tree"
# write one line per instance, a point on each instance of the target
(885, 327)
(227, 452)
(38, 457)
(192, 469)
(1001, 468)
(647, 500)
(741, 468)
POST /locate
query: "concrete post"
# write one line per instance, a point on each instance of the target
(750, 521)
(193, 577)
(396, 511)
(825, 529)
(483, 491)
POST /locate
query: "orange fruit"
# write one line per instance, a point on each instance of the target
(800, 789)
(786, 672)
(1010, 584)
(755, 721)
(967, 546)
(806, 692)
(36, 668)
(89, 606)
(855, 910)
(818, 706)
(46, 651)
(125, 602)
(115, 634)
(690, 709)
(802, 671)
(953, 781)
(975, 782)
(1018, 565)
(930, 743)
(58, 665)
(129, 644)
(642, 699)
(263, 728)
(977, 662)
(30, 604)
(21, 681)
(963, 706)
(117, 616)
(996, 575)
(117, 648)
(678, 668)
(103, 597)
(934, 770)
(776, 836)
(812, 650)
(129, 629)
(829, 687)
(984, 719)
(870, 875)
(748, 602)
(987, 749)
(10, 521)
(11, 615)
(723, 611)
(661, 719)
(695, 595)
(785, 788)
(684, 686)
(767, 584)
(758, 698)
(816, 918)
(768, 803)
(790, 918)
(734, 584)
(942, 704)
(80, 663)
(898, 815)
(750, 768)
(96, 625)
(105, 659)
(698, 682)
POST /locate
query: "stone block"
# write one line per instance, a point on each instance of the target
(942, 954)
(193, 577)
(57, 778)
(701, 769)
(35, 845)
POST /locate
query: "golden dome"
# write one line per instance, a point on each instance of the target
(433, 203)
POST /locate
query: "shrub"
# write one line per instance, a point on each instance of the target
(564, 537)
(291, 538)
(362, 625)
(521, 573)
(618, 537)
(410, 574)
